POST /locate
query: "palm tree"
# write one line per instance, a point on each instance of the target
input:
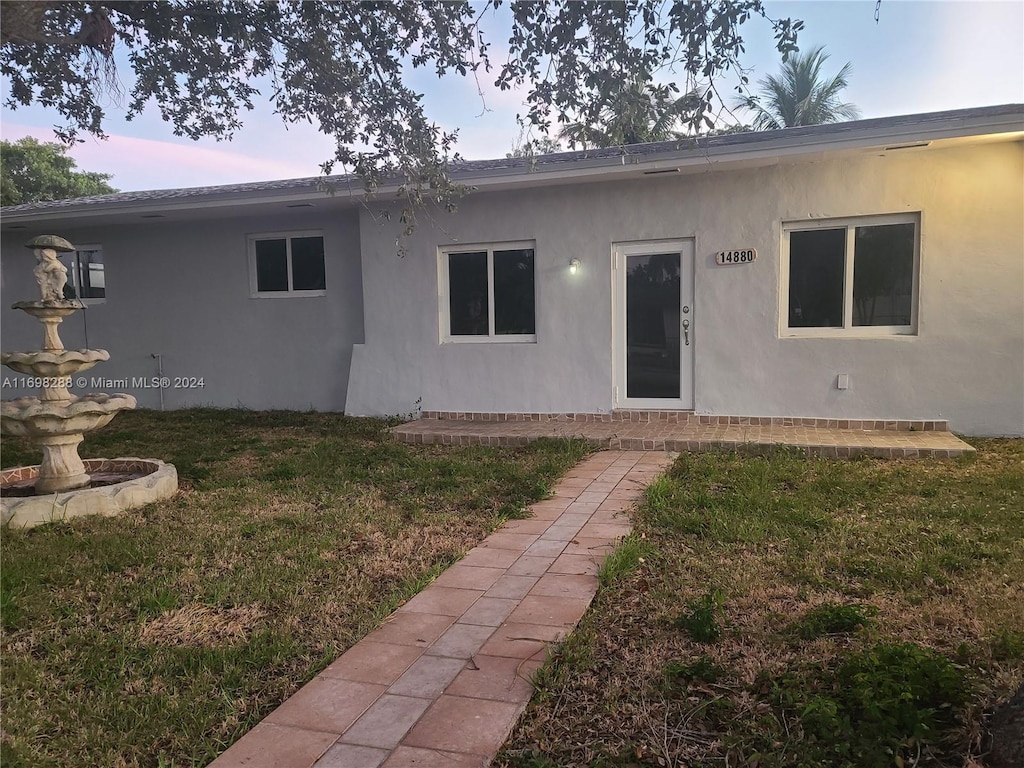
(801, 95)
(636, 113)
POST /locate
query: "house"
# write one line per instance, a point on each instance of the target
(871, 269)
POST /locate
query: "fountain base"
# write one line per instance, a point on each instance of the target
(115, 485)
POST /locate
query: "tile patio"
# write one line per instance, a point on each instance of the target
(444, 679)
(645, 431)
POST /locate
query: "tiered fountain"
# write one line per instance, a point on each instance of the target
(63, 485)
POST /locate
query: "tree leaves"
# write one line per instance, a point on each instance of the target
(801, 95)
(343, 66)
(32, 172)
(638, 112)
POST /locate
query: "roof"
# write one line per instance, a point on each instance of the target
(564, 167)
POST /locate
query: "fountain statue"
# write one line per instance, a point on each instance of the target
(57, 420)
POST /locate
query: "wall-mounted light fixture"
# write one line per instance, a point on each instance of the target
(574, 266)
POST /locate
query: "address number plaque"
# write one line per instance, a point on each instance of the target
(739, 256)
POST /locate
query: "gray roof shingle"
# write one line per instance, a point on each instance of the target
(513, 166)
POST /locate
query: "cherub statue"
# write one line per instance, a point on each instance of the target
(50, 274)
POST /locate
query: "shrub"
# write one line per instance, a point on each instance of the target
(702, 670)
(700, 619)
(879, 705)
(834, 619)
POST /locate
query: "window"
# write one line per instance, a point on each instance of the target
(853, 277)
(290, 264)
(85, 274)
(487, 293)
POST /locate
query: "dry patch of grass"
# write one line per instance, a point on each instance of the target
(798, 612)
(202, 626)
(159, 637)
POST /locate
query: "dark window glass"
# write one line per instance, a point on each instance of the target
(652, 325)
(883, 275)
(308, 264)
(85, 274)
(271, 265)
(91, 282)
(816, 270)
(513, 292)
(70, 261)
(467, 293)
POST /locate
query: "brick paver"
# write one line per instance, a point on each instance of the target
(444, 679)
(656, 431)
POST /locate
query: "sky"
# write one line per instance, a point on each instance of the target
(919, 57)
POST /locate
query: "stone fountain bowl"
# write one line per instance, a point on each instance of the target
(118, 485)
(54, 364)
(48, 309)
(32, 417)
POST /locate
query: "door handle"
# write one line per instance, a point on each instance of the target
(686, 332)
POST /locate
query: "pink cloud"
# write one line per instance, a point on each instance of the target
(152, 164)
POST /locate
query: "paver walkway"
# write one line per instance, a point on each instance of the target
(445, 678)
(883, 439)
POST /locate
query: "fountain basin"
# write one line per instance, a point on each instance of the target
(54, 368)
(57, 427)
(54, 364)
(131, 483)
(48, 309)
(44, 418)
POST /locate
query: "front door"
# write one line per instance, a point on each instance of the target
(654, 325)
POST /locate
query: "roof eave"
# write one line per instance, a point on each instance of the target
(766, 152)
(768, 148)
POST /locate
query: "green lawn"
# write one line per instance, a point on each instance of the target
(159, 637)
(785, 611)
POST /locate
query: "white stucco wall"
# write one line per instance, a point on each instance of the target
(182, 291)
(966, 363)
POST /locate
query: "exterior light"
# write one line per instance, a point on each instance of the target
(574, 266)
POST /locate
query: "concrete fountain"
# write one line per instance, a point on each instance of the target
(64, 485)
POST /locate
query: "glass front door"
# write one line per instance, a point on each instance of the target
(655, 325)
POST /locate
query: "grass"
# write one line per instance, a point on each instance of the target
(797, 612)
(159, 637)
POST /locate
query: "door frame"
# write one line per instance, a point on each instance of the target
(687, 262)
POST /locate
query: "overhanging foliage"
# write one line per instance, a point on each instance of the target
(345, 66)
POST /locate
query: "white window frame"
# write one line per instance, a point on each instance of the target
(848, 329)
(74, 270)
(443, 299)
(251, 241)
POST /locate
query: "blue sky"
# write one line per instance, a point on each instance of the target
(920, 57)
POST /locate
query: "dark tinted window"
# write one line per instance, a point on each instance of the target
(883, 275)
(91, 277)
(308, 264)
(467, 293)
(816, 271)
(513, 292)
(652, 325)
(271, 265)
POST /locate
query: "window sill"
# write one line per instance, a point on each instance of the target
(286, 294)
(848, 333)
(518, 339)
